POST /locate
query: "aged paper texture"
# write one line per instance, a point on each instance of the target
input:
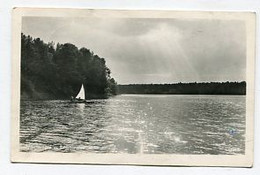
(136, 87)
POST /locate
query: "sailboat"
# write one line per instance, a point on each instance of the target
(80, 98)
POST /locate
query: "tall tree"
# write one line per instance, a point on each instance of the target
(58, 73)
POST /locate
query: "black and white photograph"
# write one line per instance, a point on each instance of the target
(133, 87)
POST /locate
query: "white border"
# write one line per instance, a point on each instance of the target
(161, 159)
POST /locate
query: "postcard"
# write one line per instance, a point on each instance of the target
(135, 87)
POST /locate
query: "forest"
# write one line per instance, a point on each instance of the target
(50, 71)
(214, 88)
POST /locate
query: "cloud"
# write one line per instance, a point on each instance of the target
(154, 50)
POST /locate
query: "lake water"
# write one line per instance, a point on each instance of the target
(136, 124)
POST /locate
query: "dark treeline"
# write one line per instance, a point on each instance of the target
(57, 72)
(218, 88)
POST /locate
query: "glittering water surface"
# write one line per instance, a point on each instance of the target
(177, 124)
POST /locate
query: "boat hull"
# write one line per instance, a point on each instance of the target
(82, 101)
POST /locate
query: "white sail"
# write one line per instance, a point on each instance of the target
(81, 94)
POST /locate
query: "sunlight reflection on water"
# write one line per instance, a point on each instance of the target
(180, 124)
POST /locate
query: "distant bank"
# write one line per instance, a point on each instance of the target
(210, 88)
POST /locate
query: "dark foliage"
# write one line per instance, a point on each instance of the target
(49, 72)
(230, 88)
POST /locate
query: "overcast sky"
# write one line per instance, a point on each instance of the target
(154, 50)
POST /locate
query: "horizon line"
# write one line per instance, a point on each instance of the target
(184, 82)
